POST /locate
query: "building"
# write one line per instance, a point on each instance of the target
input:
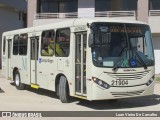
(49, 11)
(13, 16)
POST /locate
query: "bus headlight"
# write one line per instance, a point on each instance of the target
(100, 83)
(150, 81)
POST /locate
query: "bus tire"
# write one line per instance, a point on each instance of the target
(63, 90)
(17, 81)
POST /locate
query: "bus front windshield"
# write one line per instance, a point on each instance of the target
(121, 45)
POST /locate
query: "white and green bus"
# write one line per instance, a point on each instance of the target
(92, 58)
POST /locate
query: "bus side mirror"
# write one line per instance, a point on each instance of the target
(90, 40)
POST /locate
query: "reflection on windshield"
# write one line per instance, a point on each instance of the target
(128, 46)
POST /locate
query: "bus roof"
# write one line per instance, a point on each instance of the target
(70, 23)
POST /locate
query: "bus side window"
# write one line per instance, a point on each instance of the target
(62, 42)
(4, 45)
(47, 43)
(23, 41)
(15, 45)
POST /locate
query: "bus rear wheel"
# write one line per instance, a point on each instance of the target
(17, 81)
(63, 90)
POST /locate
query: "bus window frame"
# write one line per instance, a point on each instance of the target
(51, 30)
(4, 45)
(19, 44)
(57, 41)
(17, 53)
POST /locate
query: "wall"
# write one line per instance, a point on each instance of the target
(18, 4)
(154, 22)
(31, 11)
(116, 5)
(86, 6)
(143, 10)
(9, 21)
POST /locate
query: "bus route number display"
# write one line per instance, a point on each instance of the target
(122, 29)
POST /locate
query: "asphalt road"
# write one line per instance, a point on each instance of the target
(12, 99)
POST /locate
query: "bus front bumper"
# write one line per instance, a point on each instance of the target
(99, 93)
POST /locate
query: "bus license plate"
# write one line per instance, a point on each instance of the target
(119, 82)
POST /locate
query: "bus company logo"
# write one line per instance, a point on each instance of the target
(129, 70)
(40, 60)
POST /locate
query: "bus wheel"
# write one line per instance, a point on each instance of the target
(63, 90)
(17, 81)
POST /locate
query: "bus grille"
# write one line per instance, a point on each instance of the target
(127, 94)
(128, 76)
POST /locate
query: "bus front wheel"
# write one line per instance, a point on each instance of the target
(17, 81)
(63, 90)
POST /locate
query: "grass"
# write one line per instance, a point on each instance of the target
(157, 79)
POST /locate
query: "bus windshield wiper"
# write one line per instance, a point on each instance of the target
(116, 65)
(118, 59)
(140, 59)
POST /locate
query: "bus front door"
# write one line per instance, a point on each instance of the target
(80, 63)
(34, 59)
